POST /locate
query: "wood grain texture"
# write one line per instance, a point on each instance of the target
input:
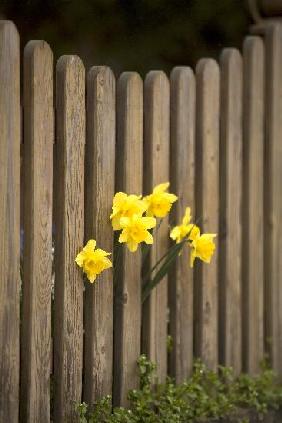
(9, 221)
(252, 253)
(182, 176)
(129, 172)
(69, 236)
(273, 198)
(230, 237)
(207, 207)
(37, 279)
(99, 186)
(156, 171)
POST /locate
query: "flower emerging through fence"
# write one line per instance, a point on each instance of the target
(93, 261)
(136, 219)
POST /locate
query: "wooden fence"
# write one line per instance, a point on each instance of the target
(67, 143)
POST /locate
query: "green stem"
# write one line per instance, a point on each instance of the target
(169, 251)
(169, 257)
(161, 273)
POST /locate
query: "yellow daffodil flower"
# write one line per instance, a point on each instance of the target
(186, 229)
(92, 261)
(159, 202)
(202, 247)
(135, 231)
(126, 206)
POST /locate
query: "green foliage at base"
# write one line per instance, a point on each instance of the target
(206, 395)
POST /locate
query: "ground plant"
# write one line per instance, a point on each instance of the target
(207, 395)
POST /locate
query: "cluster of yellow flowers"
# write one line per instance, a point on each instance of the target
(128, 215)
(135, 216)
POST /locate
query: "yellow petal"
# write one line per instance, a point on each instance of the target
(149, 239)
(187, 216)
(116, 223)
(102, 252)
(123, 237)
(209, 235)
(161, 187)
(108, 263)
(90, 246)
(192, 257)
(171, 197)
(150, 222)
(132, 246)
(80, 259)
(91, 277)
(175, 233)
(119, 197)
(193, 232)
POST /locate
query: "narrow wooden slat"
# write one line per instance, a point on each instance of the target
(99, 191)
(182, 170)
(38, 179)
(273, 198)
(69, 236)
(9, 221)
(207, 206)
(252, 252)
(156, 170)
(230, 265)
(129, 173)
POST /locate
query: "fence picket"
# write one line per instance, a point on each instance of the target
(252, 256)
(182, 171)
(69, 236)
(128, 285)
(37, 276)
(99, 191)
(207, 207)
(9, 221)
(230, 268)
(272, 201)
(156, 171)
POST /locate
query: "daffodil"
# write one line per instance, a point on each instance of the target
(202, 247)
(93, 261)
(135, 230)
(126, 206)
(159, 202)
(186, 229)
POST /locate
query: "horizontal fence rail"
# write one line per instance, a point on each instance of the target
(215, 135)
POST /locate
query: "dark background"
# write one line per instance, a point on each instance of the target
(132, 34)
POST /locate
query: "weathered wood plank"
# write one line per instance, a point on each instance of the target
(37, 266)
(273, 198)
(9, 221)
(69, 236)
(99, 191)
(207, 207)
(253, 145)
(156, 170)
(129, 171)
(230, 238)
(182, 175)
